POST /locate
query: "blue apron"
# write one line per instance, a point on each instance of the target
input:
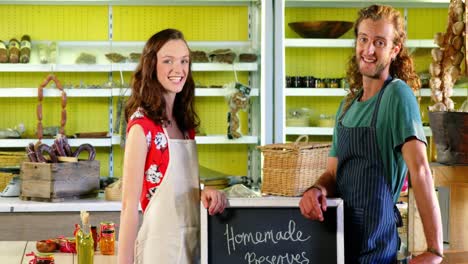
(370, 220)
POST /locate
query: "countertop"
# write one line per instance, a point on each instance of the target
(15, 204)
(14, 252)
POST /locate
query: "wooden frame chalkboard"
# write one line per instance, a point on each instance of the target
(271, 230)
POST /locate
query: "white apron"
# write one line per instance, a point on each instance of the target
(169, 233)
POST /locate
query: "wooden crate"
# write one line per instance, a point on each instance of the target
(55, 182)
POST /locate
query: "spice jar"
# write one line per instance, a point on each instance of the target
(3, 52)
(25, 49)
(14, 50)
(319, 83)
(107, 242)
(333, 83)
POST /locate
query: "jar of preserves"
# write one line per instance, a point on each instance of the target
(107, 242)
(41, 258)
(45, 259)
(107, 225)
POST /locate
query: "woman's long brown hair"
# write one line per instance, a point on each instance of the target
(148, 93)
(402, 67)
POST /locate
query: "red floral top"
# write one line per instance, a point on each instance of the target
(157, 158)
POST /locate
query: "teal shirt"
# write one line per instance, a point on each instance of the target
(397, 120)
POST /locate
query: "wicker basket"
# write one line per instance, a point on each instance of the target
(113, 192)
(5, 178)
(12, 158)
(289, 169)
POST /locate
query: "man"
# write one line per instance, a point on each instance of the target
(377, 140)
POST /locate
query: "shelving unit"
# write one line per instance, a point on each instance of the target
(335, 8)
(68, 50)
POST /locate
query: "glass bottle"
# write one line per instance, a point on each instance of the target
(85, 245)
(95, 237)
(107, 242)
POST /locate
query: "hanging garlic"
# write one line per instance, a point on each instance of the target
(457, 58)
(449, 103)
(448, 92)
(436, 54)
(434, 69)
(458, 27)
(437, 96)
(454, 72)
(457, 42)
(435, 83)
(438, 107)
(439, 39)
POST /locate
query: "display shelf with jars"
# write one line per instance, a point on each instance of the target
(101, 29)
(325, 59)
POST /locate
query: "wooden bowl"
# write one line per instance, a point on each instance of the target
(321, 29)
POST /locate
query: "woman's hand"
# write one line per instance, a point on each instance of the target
(213, 200)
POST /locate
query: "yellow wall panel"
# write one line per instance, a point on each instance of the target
(62, 22)
(423, 23)
(231, 159)
(196, 22)
(318, 62)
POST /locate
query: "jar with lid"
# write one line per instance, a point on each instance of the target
(107, 225)
(333, 83)
(45, 258)
(41, 258)
(319, 83)
(107, 242)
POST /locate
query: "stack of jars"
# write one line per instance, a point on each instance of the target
(313, 82)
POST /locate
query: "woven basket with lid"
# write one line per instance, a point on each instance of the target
(290, 168)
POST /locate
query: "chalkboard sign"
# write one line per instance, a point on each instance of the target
(271, 230)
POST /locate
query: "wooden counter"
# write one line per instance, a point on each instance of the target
(455, 179)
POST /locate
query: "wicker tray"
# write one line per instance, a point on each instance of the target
(289, 169)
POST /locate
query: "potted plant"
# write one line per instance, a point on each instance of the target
(449, 126)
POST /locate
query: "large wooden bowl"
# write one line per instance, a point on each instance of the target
(321, 29)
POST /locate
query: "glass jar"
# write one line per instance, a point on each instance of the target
(319, 83)
(45, 259)
(107, 242)
(107, 225)
(333, 83)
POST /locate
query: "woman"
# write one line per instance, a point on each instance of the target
(161, 163)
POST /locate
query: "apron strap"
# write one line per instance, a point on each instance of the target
(377, 105)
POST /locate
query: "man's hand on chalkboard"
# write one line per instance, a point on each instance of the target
(213, 200)
(313, 203)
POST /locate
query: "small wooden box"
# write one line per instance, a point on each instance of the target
(55, 182)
